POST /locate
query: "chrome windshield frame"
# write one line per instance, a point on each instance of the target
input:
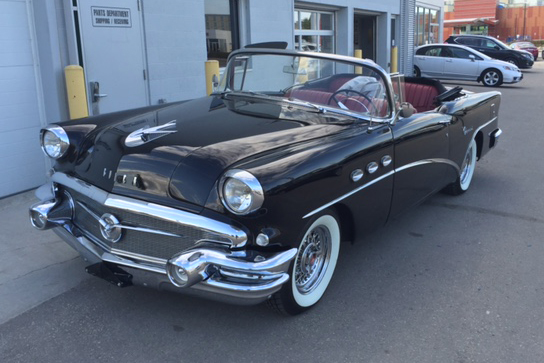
(332, 57)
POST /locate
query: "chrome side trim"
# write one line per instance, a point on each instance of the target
(484, 125)
(429, 161)
(404, 167)
(348, 194)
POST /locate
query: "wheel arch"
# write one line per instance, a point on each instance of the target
(346, 221)
(479, 138)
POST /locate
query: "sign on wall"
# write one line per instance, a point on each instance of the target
(111, 17)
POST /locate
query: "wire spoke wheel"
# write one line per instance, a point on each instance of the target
(312, 259)
(312, 268)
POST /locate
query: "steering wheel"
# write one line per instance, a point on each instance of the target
(347, 91)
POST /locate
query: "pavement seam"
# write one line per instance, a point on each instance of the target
(40, 269)
(485, 211)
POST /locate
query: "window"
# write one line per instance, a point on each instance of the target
(221, 29)
(314, 31)
(432, 52)
(426, 26)
(490, 44)
(460, 53)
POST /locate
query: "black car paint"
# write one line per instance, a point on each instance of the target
(301, 165)
(504, 54)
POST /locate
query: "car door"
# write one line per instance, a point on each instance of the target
(460, 65)
(422, 164)
(429, 61)
(490, 48)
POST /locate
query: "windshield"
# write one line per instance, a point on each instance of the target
(323, 82)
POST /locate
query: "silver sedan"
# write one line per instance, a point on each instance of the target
(457, 62)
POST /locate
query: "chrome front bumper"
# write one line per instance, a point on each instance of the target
(208, 269)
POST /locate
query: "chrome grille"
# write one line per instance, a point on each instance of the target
(137, 242)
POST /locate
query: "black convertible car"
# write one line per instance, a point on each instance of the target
(246, 195)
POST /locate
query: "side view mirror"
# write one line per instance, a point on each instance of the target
(406, 110)
(472, 57)
(497, 47)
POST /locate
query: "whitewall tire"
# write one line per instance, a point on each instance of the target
(312, 268)
(468, 166)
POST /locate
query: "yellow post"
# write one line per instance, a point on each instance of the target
(358, 54)
(212, 68)
(394, 59)
(76, 91)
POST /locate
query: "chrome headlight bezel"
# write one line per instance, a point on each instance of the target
(248, 180)
(62, 141)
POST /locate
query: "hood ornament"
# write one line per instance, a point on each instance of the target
(147, 134)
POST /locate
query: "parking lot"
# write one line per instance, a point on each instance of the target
(458, 279)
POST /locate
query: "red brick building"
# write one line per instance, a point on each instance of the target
(486, 17)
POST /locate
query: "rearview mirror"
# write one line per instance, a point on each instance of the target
(472, 57)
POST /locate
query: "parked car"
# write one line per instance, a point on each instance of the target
(494, 48)
(245, 195)
(527, 47)
(457, 62)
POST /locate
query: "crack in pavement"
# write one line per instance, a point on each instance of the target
(486, 211)
(40, 269)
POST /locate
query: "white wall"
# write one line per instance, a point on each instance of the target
(21, 106)
(175, 33)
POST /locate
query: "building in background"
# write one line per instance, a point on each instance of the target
(143, 52)
(507, 20)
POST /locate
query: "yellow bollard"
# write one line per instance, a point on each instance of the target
(358, 54)
(77, 94)
(394, 59)
(212, 68)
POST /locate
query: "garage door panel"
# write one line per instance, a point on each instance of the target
(12, 13)
(21, 159)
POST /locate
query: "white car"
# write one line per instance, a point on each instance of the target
(457, 62)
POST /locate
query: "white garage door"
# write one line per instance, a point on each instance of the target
(22, 163)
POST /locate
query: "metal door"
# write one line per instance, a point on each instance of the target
(113, 54)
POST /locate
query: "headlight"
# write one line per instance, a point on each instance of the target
(240, 192)
(508, 68)
(528, 56)
(54, 141)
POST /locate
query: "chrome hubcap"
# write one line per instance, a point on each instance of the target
(491, 78)
(312, 259)
(467, 165)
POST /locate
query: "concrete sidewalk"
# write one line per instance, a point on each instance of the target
(35, 266)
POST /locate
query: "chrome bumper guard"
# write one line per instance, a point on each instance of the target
(495, 135)
(206, 269)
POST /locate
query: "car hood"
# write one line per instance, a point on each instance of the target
(189, 145)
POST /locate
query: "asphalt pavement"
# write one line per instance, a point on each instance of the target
(458, 279)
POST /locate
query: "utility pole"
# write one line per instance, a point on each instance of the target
(524, 18)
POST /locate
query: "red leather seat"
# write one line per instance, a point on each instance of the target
(421, 96)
